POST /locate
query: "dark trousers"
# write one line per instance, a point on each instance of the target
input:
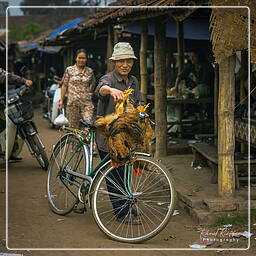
(116, 176)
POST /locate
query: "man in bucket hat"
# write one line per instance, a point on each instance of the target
(110, 91)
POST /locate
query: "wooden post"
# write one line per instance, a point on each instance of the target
(226, 138)
(143, 61)
(243, 80)
(116, 39)
(160, 88)
(180, 48)
(71, 56)
(180, 45)
(65, 62)
(216, 96)
(68, 56)
(110, 45)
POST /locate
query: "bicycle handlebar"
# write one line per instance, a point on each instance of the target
(14, 93)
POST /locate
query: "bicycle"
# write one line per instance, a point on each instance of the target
(148, 188)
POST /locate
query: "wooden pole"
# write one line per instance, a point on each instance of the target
(243, 80)
(71, 56)
(216, 95)
(226, 138)
(180, 45)
(160, 88)
(116, 38)
(110, 45)
(143, 61)
(180, 48)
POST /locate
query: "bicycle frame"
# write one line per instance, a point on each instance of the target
(90, 173)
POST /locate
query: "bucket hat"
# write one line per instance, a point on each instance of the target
(122, 50)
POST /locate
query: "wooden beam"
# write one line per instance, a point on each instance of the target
(243, 80)
(160, 88)
(216, 96)
(143, 61)
(226, 138)
(116, 37)
(180, 45)
(110, 45)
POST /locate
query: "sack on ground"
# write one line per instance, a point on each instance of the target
(61, 120)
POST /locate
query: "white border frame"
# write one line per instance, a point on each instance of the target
(141, 249)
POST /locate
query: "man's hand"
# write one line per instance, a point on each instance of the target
(117, 95)
(172, 91)
(28, 83)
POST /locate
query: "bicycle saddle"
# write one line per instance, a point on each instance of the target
(87, 123)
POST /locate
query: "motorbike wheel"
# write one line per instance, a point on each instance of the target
(39, 152)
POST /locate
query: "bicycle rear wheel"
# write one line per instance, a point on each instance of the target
(148, 198)
(62, 188)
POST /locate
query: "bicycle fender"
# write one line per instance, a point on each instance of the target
(142, 154)
(27, 129)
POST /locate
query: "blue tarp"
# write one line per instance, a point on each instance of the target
(197, 29)
(37, 48)
(70, 24)
(29, 46)
(46, 51)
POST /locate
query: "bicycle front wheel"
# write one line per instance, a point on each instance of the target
(147, 198)
(62, 187)
(38, 151)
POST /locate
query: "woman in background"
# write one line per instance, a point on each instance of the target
(79, 83)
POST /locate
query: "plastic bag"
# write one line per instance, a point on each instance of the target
(61, 119)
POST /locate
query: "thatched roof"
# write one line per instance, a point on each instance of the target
(118, 13)
(230, 28)
(138, 10)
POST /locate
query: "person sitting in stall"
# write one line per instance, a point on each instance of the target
(197, 73)
(198, 78)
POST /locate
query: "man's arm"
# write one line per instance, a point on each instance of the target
(115, 93)
(13, 79)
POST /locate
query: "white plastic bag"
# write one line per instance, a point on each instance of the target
(61, 119)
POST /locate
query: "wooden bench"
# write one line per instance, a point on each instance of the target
(207, 154)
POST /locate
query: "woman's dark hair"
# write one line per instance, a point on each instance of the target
(79, 51)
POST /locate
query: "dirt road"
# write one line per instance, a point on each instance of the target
(32, 225)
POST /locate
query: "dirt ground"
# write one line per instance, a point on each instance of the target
(34, 230)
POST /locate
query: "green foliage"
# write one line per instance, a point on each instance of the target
(236, 219)
(30, 31)
(15, 33)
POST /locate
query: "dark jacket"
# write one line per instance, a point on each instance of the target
(12, 79)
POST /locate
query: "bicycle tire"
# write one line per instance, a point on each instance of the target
(153, 197)
(38, 151)
(61, 187)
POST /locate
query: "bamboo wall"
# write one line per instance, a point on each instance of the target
(230, 27)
